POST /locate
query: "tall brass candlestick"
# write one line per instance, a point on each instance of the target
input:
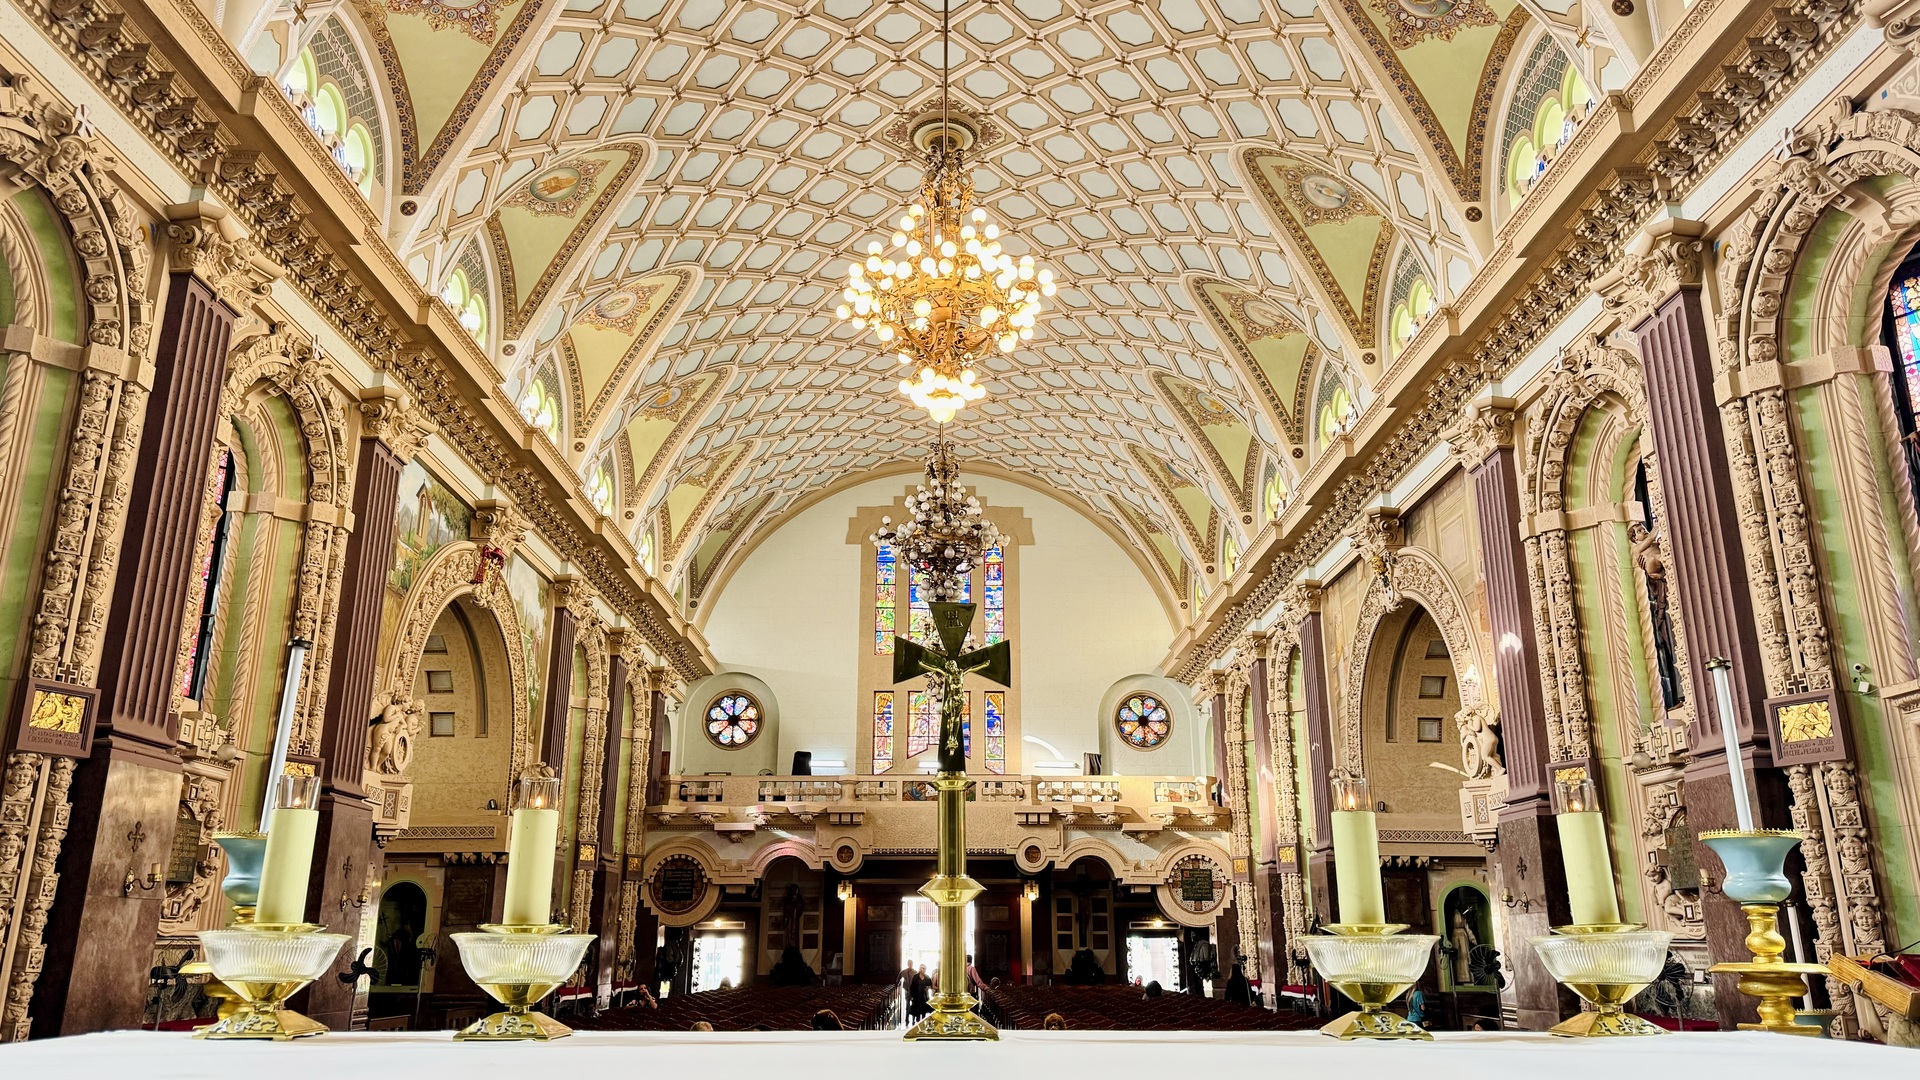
(951, 890)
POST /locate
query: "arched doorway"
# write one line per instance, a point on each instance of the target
(1412, 704)
(396, 950)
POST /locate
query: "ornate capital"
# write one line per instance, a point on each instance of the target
(389, 417)
(1666, 258)
(1900, 20)
(1483, 427)
(575, 595)
(204, 240)
(1377, 537)
(497, 526)
(1298, 600)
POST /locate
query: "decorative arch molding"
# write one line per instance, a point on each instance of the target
(1422, 579)
(1595, 380)
(45, 145)
(1088, 847)
(1830, 169)
(447, 576)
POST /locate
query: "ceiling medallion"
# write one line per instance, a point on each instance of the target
(560, 190)
(1412, 21)
(944, 294)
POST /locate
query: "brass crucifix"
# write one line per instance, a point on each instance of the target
(951, 890)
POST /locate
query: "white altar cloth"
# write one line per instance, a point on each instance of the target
(1068, 1055)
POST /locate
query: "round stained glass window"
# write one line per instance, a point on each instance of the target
(733, 720)
(1143, 721)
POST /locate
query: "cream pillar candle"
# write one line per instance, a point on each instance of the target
(1585, 855)
(289, 857)
(530, 852)
(1356, 855)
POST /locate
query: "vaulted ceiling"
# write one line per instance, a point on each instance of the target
(661, 195)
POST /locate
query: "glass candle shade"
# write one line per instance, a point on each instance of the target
(1584, 853)
(289, 856)
(1356, 854)
(530, 852)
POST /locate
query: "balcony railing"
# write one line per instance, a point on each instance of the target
(1139, 802)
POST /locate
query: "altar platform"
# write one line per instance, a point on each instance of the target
(1108, 1055)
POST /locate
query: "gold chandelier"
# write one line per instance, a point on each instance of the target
(945, 293)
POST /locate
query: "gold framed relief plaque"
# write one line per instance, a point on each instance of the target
(1807, 728)
(55, 718)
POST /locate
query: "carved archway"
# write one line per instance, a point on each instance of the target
(1593, 380)
(1830, 169)
(44, 145)
(446, 576)
(1420, 578)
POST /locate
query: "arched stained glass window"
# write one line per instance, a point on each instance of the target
(1275, 496)
(925, 722)
(1143, 721)
(538, 407)
(733, 720)
(883, 627)
(993, 573)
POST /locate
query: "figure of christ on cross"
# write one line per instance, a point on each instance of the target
(951, 889)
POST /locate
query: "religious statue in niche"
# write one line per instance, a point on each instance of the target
(1468, 961)
(1653, 572)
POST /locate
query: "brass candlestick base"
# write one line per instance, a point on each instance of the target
(1774, 981)
(951, 890)
(519, 966)
(1372, 964)
(1607, 965)
(265, 965)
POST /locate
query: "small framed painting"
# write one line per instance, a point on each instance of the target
(1807, 728)
(56, 718)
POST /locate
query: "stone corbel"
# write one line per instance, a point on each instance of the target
(1378, 536)
(497, 527)
(1484, 426)
(205, 240)
(387, 415)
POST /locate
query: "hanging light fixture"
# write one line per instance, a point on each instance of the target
(944, 294)
(945, 535)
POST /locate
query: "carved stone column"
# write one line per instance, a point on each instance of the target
(1659, 293)
(605, 919)
(344, 854)
(1319, 724)
(1527, 853)
(1271, 940)
(557, 723)
(98, 940)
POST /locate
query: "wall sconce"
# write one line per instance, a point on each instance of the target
(846, 891)
(1031, 890)
(147, 884)
(366, 888)
(1524, 903)
(136, 839)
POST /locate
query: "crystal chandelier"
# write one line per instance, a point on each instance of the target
(945, 535)
(944, 294)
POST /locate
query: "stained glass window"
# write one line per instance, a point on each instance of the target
(883, 591)
(919, 615)
(882, 730)
(926, 722)
(993, 584)
(733, 720)
(966, 724)
(996, 716)
(1903, 325)
(193, 681)
(1143, 721)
